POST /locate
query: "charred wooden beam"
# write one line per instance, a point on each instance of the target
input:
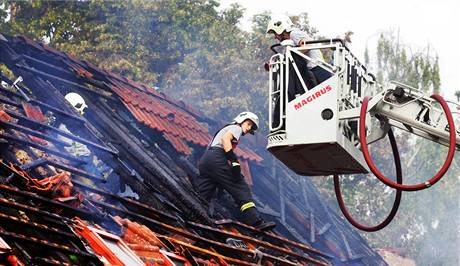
(276, 237)
(208, 252)
(34, 164)
(59, 79)
(54, 218)
(130, 202)
(22, 222)
(155, 224)
(259, 242)
(83, 213)
(9, 102)
(32, 132)
(62, 166)
(146, 163)
(41, 147)
(68, 135)
(47, 244)
(39, 103)
(76, 171)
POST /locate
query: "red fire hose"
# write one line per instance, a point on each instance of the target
(380, 176)
(396, 203)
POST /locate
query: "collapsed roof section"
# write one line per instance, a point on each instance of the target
(136, 143)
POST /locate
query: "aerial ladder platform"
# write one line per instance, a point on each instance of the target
(326, 129)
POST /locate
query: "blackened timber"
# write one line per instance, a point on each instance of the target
(125, 200)
(59, 79)
(256, 241)
(43, 148)
(123, 142)
(41, 104)
(45, 261)
(57, 219)
(155, 153)
(276, 237)
(23, 222)
(82, 213)
(126, 214)
(34, 164)
(150, 149)
(68, 75)
(148, 140)
(33, 133)
(9, 102)
(75, 171)
(207, 252)
(147, 165)
(87, 130)
(138, 132)
(57, 130)
(47, 244)
(78, 172)
(39, 64)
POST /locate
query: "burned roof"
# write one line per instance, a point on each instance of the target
(120, 178)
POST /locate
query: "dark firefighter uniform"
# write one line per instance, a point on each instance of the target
(221, 169)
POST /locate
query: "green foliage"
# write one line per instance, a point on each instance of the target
(303, 22)
(397, 62)
(138, 39)
(6, 71)
(225, 75)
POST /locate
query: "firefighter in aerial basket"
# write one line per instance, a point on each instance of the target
(219, 168)
(283, 29)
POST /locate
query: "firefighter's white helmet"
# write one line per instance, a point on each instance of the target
(76, 101)
(279, 24)
(245, 116)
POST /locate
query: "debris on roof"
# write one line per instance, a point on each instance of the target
(124, 172)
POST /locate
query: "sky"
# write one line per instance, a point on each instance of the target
(419, 22)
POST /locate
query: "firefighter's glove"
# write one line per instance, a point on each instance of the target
(236, 168)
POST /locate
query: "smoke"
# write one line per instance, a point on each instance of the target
(428, 222)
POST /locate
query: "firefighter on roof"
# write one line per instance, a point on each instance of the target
(219, 167)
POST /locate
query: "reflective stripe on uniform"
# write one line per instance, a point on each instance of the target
(247, 206)
(235, 164)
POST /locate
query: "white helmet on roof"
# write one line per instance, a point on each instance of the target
(76, 101)
(245, 116)
(279, 24)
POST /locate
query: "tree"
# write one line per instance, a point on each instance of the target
(226, 76)
(138, 39)
(396, 62)
(223, 76)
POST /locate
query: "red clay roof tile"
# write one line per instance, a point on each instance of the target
(33, 112)
(178, 144)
